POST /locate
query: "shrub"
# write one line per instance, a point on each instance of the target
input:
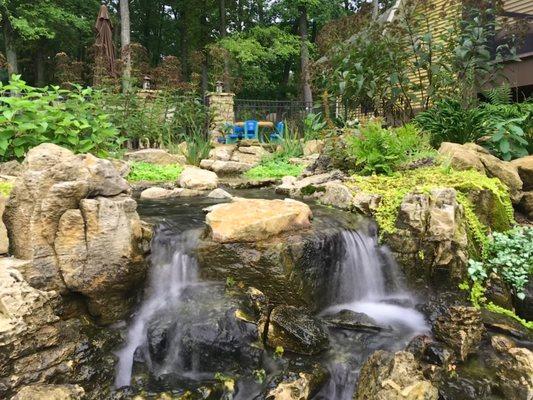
(510, 255)
(142, 171)
(31, 116)
(449, 121)
(383, 151)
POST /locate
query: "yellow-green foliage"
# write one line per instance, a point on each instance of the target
(5, 188)
(393, 189)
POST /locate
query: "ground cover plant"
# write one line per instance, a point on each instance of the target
(141, 171)
(274, 168)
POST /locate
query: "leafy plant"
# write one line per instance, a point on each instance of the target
(31, 116)
(198, 147)
(510, 255)
(449, 121)
(383, 151)
(274, 168)
(313, 126)
(142, 171)
(508, 140)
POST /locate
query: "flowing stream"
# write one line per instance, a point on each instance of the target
(364, 280)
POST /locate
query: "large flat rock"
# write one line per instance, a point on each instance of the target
(250, 220)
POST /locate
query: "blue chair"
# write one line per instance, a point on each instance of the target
(238, 133)
(277, 135)
(251, 129)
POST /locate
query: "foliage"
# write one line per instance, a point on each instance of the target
(142, 171)
(449, 121)
(198, 147)
(383, 151)
(31, 116)
(161, 121)
(508, 140)
(393, 189)
(508, 254)
(5, 188)
(313, 126)
(274, 168)
(478, 299)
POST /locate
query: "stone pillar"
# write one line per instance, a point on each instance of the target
(221, 104)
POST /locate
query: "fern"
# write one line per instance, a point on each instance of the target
(499, 96)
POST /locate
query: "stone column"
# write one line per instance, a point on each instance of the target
(221, 104)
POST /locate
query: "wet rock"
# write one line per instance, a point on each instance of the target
(296, 331)
(347, 319)
(515, 374)
(526, 204)
(429, 351)
(207, 336)
(461, 328)
(219, 194)
(198, 179)
(72, 215)
(501, 343)
(153, 156)
(158, 193)
(257, 300)
(393, 376)
(499, 292)
(524, 308)
(524, 167)
(50, 392)
(500, 323)
(250, 220)
(299, 386)
(313, 147)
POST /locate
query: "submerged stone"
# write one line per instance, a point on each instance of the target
(347, 319)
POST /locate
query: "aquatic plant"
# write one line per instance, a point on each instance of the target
(142, 171)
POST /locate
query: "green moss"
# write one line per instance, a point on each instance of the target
(5, 188)
(142, 171)
(393, 189)
(275, 168)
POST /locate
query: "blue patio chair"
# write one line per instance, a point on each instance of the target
(251, 129)
(277, 135)
(238, 133)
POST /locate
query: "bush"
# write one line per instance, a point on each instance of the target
(31, 116)
(508, 254)
(141, 171)
(377, 150)
(449, 121)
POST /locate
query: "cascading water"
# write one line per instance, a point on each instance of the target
(367, 281)
(173, 269)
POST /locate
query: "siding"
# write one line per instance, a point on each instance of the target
(518, 6)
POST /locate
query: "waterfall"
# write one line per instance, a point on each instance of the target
(172, 270)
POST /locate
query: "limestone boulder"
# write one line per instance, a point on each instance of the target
(393, 376)
(50, 392)
(246, 158)
(337, 195)
(313, 147)
(219, 194)
(299, 385)
(250, 220)
(159, 193)
(72, 216)
(153, 156)
(4, 240)
(472, 156)
(11, 168)
(296, 331)
(515, 374)
(461, 328)
(524, 166)
(222, 152)
(198, 179)
(526, 204)
(229, 167)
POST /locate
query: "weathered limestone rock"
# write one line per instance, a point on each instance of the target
(388, 376)
(337, 195)
(198, 179)
(153, 156)
(515, 374)
(222, 152)
(246, 158)
(11, 168)
(296, 331)
(123, 167)
(158, 193)
(526, 204)
(348, 319)
(249, 220)
(72, 216)
(524, 166)
(219, 194)
(472, 156)
(366, 203)
(461, 328)
(299, 386)
(310, 185)
(229, 167)
(257, 151)
(313, 147)
(4, 240)
(50, 392)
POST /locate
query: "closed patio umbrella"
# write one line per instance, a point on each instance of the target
(104, 39)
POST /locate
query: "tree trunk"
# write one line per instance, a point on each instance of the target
(125, 41)
(222, 12)
(40, 69)
(11, 52)
(304, 59)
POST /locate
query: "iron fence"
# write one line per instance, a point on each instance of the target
(272, 110)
